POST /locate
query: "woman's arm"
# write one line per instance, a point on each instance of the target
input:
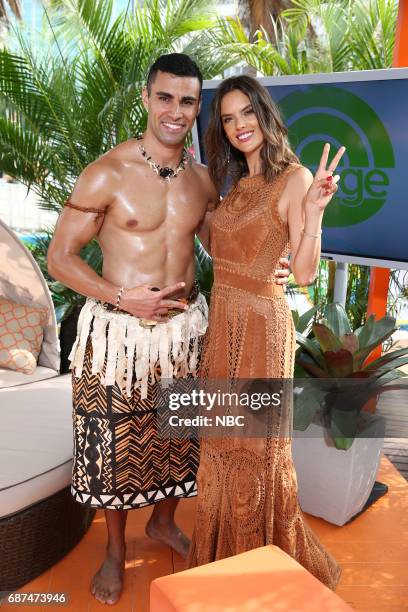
(305, 250)
(308, 200)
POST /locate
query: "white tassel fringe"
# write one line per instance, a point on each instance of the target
(129, 343)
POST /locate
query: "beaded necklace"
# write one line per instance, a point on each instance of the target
(165, 172)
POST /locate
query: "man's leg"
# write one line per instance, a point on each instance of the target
(161, 526)
(107, 583)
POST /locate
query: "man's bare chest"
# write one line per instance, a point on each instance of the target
(151, 202)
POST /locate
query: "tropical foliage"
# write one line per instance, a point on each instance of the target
(65, 104)
(68, 104)
(346, 35)
(322, 291)
(204, 269)
(65, 110)
(335, 355)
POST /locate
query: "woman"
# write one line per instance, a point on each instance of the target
(247, 491)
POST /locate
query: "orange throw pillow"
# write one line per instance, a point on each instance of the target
(21, 335)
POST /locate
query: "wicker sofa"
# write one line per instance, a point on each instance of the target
(39, 521)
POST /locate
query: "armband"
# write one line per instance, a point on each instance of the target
(100, 212)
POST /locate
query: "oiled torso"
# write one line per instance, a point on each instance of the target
(147, 236)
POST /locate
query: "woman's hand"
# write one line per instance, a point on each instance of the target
(282, 273)
(324, 183)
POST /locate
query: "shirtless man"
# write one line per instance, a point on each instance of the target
(144, 200)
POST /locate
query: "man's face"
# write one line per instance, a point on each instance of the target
(173, 104)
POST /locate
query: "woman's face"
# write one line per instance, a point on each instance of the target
(240, 122)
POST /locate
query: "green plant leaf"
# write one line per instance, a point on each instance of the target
(310, 347)
(343, 428)
(305, 319)
(396, 363)
(380, 331)
(326, 338)
(337, 320)
(380, 384)
(204, 269)
(306, 403)
(295, 317)
(342, 443)
(299, 371)
(312, 368)
(388, 358)
(386, 377)
(364, 332)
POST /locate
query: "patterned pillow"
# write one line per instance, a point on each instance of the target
(21, 335)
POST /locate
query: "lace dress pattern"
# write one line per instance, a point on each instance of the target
(247, 488)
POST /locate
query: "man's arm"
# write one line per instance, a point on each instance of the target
(95, 191)
(75, 229)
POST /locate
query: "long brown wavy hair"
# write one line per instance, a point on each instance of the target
(276, 153)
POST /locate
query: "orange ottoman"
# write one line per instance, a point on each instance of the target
(260, 580)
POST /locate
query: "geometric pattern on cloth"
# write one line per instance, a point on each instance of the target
(120, 461)
(135, 500)
(21, 335)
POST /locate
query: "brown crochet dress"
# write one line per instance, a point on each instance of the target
(247, 489)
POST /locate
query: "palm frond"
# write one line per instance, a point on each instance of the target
(230, 38)
(372, 33)
(290, 53)
(186, 16)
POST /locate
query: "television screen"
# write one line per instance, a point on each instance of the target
(367, 220)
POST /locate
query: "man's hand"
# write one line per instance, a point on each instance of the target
(282, 273)
(144, 303)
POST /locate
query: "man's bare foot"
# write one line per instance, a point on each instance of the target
(170, 535)
(107, 584)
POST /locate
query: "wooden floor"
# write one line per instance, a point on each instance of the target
(394, 407)
(396, 450)
(373, 551)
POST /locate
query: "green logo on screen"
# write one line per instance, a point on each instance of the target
(319, 114)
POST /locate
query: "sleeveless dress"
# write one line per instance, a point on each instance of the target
(247, 488)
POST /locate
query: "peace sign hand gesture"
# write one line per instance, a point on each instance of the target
(324, 183)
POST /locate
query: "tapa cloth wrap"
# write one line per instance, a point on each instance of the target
(132, 352)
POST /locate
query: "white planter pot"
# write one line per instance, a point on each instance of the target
(335, 484)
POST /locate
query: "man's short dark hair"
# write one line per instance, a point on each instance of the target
(179, 64)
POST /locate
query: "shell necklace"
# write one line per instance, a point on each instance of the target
(165, 172)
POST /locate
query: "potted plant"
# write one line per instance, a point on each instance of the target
(337, 443)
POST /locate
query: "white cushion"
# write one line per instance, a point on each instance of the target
(11, 378)
(35, 442)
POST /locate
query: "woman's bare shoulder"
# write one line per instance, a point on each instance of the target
(300, 178)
